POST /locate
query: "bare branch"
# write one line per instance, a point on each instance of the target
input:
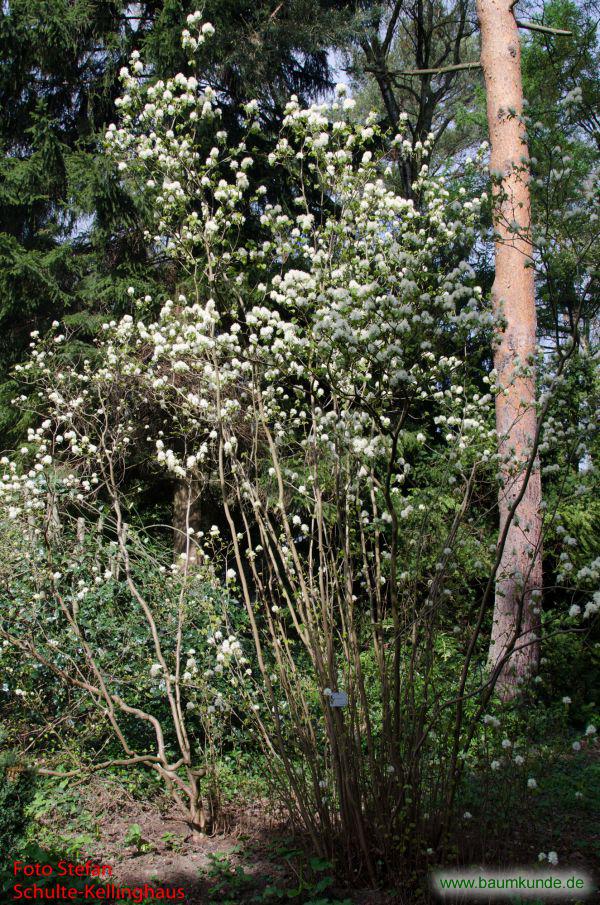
(94, 768)
(391, 27)
(456, 67)
(544, 29)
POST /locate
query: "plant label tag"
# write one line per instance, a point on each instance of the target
(338, 699)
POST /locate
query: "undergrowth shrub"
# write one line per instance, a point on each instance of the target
(17, 788)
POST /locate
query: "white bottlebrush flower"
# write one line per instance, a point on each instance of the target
(531, 783)
(490, 720)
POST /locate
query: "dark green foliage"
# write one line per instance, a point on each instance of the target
(17, 786)
(71, 238)
(262, 50)
(512, 828)
(564, 142)
(231, 883)
(553, 67)
(57, 88)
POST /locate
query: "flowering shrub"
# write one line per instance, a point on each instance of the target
(116, 635)
(328, 376)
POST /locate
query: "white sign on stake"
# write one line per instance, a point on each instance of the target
(338, 699)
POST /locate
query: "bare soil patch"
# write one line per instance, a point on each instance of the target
(170, 855)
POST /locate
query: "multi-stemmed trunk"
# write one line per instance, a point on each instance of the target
(186, 515)
(516, 610)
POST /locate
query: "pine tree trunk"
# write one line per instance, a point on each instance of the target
(515, 621)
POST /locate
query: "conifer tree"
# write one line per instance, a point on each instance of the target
(71, 239)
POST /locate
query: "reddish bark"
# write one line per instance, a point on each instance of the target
(513, 294)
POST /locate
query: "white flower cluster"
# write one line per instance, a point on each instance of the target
(192, 40)
(227, 650)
